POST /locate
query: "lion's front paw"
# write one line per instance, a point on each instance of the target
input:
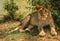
(42, 33)
(53, 32)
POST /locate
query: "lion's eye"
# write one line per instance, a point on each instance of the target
(45, 10)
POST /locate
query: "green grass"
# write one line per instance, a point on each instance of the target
(16, 36)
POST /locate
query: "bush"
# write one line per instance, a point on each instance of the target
(11, 9)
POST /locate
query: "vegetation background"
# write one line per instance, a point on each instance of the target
(20, 8)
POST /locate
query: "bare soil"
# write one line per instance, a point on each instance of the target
(55, 38)
(27, 37)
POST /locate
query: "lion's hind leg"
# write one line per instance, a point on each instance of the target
(29, 28)
(21, 29)
(24, 23)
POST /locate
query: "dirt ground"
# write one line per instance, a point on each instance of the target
(27, 37)
(55, 38)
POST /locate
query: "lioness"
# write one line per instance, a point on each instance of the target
(40, 18)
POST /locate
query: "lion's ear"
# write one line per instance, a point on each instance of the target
(38, 7)
(49, 7)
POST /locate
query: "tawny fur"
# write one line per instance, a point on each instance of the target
(39, 18)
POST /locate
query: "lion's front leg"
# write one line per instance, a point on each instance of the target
(53, 31)
(41, 31)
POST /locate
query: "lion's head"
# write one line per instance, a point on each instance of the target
(43, 11)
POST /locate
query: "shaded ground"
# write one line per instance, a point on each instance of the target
(17, 36)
